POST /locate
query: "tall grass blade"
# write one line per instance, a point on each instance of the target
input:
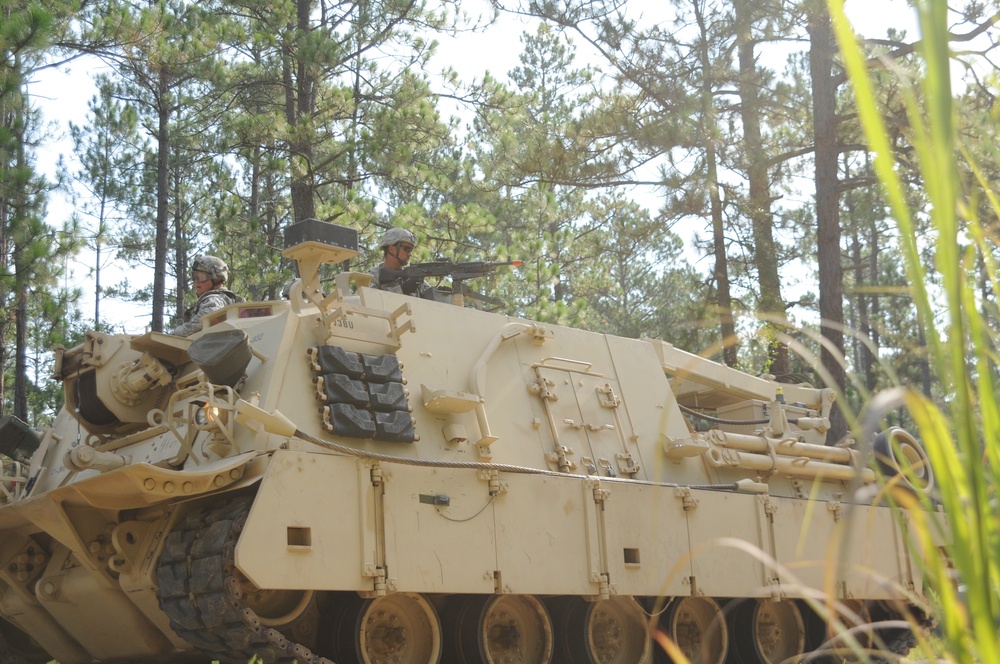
(961, 432)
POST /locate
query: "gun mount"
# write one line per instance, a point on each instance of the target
(365, 476)
(412, 275)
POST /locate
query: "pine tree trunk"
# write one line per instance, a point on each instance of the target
(299, 105)
(720, 273)
(864, 358)
(162, 193)
(772, 305)
(21, 348)
(831, 274)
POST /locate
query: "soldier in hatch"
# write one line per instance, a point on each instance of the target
(397, 245)
(209, 275)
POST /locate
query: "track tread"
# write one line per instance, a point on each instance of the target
(199, 592)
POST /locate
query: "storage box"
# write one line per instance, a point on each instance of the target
(314, 230)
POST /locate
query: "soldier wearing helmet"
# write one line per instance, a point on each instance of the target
(209, 275)
(397, 246)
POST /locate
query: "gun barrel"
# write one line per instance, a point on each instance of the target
(476, 269)
(457, 271)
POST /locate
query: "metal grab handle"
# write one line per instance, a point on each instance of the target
(586, 365)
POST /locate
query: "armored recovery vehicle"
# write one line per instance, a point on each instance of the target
(369, 477)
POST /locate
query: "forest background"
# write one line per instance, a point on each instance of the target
(700, 178)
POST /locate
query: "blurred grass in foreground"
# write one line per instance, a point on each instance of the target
(962, 435)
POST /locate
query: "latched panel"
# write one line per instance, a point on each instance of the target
(647, 540)
(544, 536)
(812, 539)
(876, 546)
(569, 449)
(721, 568)
(803, 535)
(309, 530)
(440, 530)
(600, 402)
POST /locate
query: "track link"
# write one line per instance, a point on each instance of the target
(891, 644)
(900, 642)
(200, 590)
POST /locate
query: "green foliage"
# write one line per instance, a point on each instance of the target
(109, 148)
(960, 431)
(32, 251)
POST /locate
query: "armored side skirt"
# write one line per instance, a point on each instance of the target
(328, 523)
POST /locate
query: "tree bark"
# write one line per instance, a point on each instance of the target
(162, 200)
(720, 273)
(831, 274)
(21, 346)
(20, 208)
(772, 305)
(299, 107)
(863, 358)
(180, 245)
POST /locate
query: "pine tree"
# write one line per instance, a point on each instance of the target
(29, 249)
(109, 153)
(828, 232)
(162, 55)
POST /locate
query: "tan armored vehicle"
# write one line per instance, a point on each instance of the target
(369, 477)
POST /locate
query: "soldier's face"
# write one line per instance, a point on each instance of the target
(399, 254)
(202, 282)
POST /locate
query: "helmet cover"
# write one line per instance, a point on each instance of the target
(397, 235)
(214, 267)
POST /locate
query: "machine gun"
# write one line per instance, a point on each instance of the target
(446, 268)
(412, 275)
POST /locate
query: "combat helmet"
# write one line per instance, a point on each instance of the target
(213, 266)
(396, 235)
